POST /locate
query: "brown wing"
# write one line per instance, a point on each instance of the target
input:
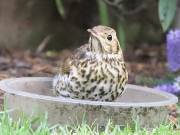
(80, 52)
(73, 59)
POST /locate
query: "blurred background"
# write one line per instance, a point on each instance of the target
(36, 34)
(64, 22)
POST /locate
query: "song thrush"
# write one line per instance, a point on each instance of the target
(96, 70)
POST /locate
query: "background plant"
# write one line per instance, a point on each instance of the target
(166, 11)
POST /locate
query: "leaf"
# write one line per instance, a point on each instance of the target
(60, 8)
(167, 9)
(103, 12)
(121, 35)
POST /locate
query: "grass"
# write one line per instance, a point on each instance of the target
(23, 126)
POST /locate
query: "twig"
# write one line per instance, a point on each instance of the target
(43, 44)
(119, 5)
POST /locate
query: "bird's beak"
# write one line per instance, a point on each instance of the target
(92, 32)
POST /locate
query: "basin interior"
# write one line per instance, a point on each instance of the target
(42, 87)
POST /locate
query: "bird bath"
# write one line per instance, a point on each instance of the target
(32, 96)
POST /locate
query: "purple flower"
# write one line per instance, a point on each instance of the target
(170, 88)
(173, 87)
(173, 49)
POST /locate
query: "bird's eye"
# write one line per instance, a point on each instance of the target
(109, 37)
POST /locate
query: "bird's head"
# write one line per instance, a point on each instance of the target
(103, 40)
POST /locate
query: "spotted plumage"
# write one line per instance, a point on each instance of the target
(95, 71)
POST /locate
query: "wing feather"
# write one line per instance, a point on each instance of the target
(73, 59)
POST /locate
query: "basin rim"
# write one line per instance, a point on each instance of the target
(4, 86)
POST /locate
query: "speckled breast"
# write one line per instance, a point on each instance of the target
(97, 80)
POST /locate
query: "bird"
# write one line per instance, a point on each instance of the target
(95, 71)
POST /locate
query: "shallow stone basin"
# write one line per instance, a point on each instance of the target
(32, 96)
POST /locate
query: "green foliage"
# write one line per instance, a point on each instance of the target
(151, 81)
(121, 35)
(60, 8)
(103, 12)
(167, 9)
(23, 126)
